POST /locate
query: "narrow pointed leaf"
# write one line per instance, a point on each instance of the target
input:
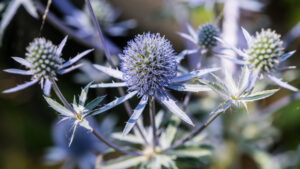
(76, 58)
(61, 45)
(111, 72)
(217, 87)
(73, 133)
(189, 87)
(21, 86)
(232, 59)
(286, 56)
(22, 61)
(282, 83)
(230, 83)
(171, 130)
(94, 103)
(193, 74)
(114, 103)
(30, 8)
(171, 105)
(47, 87)
(222, 107)
(58, 107)
(192, 31)
(69, 69)
(83, 94)
(187, 37)
(182, 54)
(238, 51)
(247, 36)
(190, 152)
(135, 115)
(106, 85)
(18, 71)
(259, 95)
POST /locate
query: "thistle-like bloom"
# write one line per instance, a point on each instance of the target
(203, 39)
(264, 54)
(148, 68)
(237, 93)
(43, 61)
(84, 149)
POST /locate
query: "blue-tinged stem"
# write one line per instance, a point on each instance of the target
(96, 23)
(152, 121)
(108, 56)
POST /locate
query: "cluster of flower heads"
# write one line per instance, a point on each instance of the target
(148, 68)
(43, 61)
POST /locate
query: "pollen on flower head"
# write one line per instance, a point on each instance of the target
(104, 12)
(207, 34)
(148, 64)
(265, 49)
(43, 58)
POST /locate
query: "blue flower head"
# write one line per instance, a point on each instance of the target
(148, 64)
(207, 34)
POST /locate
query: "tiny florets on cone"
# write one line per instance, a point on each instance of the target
(43, 58)
(148, 64)
(207, 34)
(265, 50)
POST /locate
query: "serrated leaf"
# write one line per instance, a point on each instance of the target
(215, 87)
(282, 83)
(94, 103)
(58, 107)
(193, 74)
(171, 105)
(110, 71)
(259, 95)
(189, 87)
(113, 104)
(135, 115)
(124, 162)
(83, 94)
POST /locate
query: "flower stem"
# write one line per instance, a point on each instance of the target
(96, 23)
(152, 121)
(195, 132)
(108, 57)
(61, 96)
(110, 144)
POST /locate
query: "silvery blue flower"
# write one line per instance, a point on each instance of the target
(43, 61)
(236, 93)
(148, 68)
(263, 55)
(84, 149)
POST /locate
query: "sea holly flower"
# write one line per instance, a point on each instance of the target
(264, 55)
(43, 61)
(148, 68)
(236, 93)
(195, 150)
(203, 39)
(84, 149)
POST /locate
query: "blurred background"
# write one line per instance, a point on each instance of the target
(26, 120)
